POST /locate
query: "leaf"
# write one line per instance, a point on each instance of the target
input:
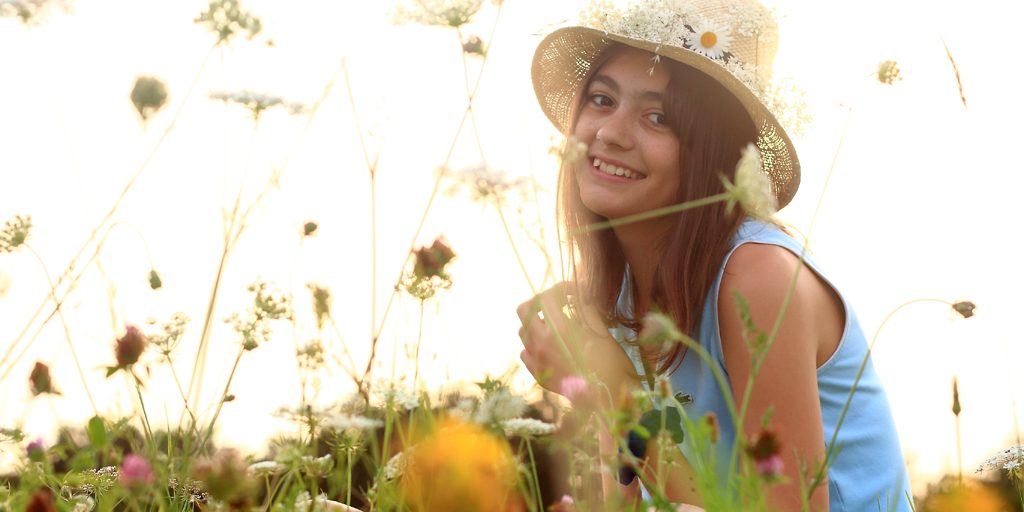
(651, 420)
(97, 432)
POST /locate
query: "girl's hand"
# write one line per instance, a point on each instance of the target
(557, 345)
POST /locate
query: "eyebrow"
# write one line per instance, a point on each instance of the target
(610, 83)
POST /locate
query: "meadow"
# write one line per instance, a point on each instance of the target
(258, 256)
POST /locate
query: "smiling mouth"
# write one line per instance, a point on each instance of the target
(614, 170)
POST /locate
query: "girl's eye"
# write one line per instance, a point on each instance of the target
(601, 100)
(657, 118)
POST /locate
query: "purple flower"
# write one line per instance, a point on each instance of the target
(36, 450)
(130, 346)
(135, 472)
(770, 467)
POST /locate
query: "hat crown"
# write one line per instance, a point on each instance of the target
(740, 34)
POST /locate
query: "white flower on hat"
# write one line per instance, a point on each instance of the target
(709, 39)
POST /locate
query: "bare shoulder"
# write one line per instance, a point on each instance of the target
(760, 272)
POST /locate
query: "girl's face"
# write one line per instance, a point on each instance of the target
(633, 163)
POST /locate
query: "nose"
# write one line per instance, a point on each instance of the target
(615, 130)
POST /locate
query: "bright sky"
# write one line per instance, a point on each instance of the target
(917, 206)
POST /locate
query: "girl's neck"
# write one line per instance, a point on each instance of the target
(641, 247)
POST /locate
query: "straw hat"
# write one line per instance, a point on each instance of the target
(731, 41)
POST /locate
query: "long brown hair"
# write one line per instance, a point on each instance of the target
(712, 127)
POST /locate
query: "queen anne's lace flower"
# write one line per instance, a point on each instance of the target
(1009, 459)
(526, 427)
(352, 422)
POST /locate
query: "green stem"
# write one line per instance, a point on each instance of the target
(220, 403)
(657, 212)
(533, 474)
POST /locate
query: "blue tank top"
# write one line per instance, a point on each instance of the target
(868, 473)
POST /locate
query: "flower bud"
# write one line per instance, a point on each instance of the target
(965, 308)
(431, 261)
(40, 381)
(35, 450)
(148, 95)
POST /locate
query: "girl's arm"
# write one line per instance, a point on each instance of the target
(786, 382)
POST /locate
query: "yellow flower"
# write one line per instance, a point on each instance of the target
(461, 467)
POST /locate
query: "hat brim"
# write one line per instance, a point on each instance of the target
(563, 60)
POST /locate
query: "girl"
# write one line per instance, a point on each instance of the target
(666, 95)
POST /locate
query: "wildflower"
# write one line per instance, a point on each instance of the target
(30, 11)
(83, 503)
(349, 422)
(565, 504)
(1008, 459)
(41, 501)
(268, 305)
(40, 380)
(443, 13)
(309, 228)
(395, 466)
(130, 346)
(709, 39)
(391, 395)
(226, 476)
(765, 453)
(172, 331)
(256, 102)
(478, 469)
(474, 46)
(35, 450)
(321, 303)
(752, 189)
(965, 308)
(135, 472)
(226, 17)
(573, 387)
(318, 466)
(154, 280)
(266, 467)
(485, 184)
(431, 262)
(711, 420)
(571, 150)
(526, 427)
(888, 73)
(149, 96)
(15, 232)
(498, 406)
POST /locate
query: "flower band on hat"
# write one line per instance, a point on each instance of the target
(731, 41)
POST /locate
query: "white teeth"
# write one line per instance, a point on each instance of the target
(614, 170)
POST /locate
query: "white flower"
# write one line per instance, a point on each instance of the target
(83, 504)
(571, 150)
(318, 465)
(352, 422)
(526, 427)
(487, 184)
(499, 405)
(266, 467)
(257, 102)
(1009, 459)
(709, 39)
(390, 395)
(752, 189)
(450, 13)
(395, 466)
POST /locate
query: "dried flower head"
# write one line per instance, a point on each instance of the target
(473, 45)
(309, 228)
(965, 308)
(226, 18)
(40, 381)
(752, 189)
(15, 232)
(149, 95)
(321, 303)
(888, 73)
(226, 476)
(443, 13)
(256, 102)
(135, 472)
(429, 273)
(31, 11)
(485, 184)
(171, 333)
(255, 326)
(130, 346)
